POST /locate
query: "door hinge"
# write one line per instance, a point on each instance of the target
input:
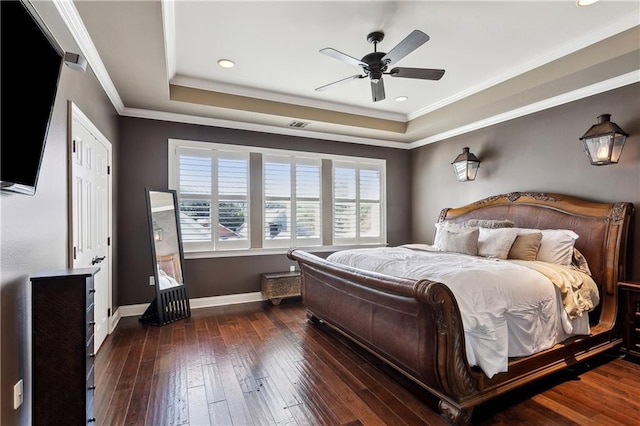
(108, 241)
(74, 145)
(108, 170)
(109, 312)
(74, 252)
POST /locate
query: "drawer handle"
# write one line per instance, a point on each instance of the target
(92, 355)
(92, 387)
(93, 290)
(91, 420)
(92, 323)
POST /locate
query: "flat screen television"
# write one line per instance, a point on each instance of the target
(31, 65)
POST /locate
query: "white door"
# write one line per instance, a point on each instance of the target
(91, 214)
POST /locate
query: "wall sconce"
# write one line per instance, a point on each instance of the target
(603, 142)
(466, 165)
(157, 232)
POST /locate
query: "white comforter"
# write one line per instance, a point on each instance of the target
(508, 309)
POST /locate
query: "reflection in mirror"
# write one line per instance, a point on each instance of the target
(165, 240)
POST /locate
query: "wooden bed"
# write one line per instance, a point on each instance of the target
(416, 327)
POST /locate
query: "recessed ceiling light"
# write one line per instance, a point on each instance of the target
(226, 63)
(401, 98)
(585, 2)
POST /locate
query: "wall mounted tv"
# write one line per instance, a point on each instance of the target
(31, 65)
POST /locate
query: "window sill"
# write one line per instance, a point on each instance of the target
(271, 251)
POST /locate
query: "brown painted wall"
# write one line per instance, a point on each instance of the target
(143, 162)
(33, 235)
(537, 152)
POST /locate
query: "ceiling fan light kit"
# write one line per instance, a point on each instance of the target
(375, 64)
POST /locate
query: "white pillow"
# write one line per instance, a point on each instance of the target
(556, 245)
(440, 227)
(496, 243)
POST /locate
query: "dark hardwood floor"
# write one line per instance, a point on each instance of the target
(259, 364)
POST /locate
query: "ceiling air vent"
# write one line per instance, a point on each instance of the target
(298, 124)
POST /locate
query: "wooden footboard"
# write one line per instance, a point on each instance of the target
(416, 326)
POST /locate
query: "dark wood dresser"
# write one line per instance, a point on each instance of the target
(62, 339)
(629, 293)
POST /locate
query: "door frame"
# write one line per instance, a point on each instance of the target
(74, 112)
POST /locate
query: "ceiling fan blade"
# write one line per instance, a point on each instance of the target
(377, 90)
(337, 83)
(411, 42)
(422, 73)
(342, 57)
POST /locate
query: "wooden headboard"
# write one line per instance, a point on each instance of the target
(170, 264)
(602, 227)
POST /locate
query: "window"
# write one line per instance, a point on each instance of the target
(217, 178)
(292, 207)
(357, 203)
(298, 199)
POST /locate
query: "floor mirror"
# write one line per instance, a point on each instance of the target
(172, 300)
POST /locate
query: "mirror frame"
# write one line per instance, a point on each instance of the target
(170, 304)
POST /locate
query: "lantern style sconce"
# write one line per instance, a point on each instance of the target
(603, 142)
(157, 232)
(466, 165)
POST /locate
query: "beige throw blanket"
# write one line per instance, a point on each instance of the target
(579, 291)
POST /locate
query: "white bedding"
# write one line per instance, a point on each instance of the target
(508, 309)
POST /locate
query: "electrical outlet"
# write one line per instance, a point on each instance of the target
(292, 268)
(152, 280)
(17, 394)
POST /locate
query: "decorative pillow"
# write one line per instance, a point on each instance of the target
(495, 243)
(579, 262)
(556, 246)
(490, 223)
(526, 246)
(463, 240)
(439, 231)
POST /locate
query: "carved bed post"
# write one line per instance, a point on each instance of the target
(452, 370)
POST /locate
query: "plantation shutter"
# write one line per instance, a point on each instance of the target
(357, 200)
(213, 196)
(291, 201)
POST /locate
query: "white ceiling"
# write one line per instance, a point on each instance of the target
(502, 59)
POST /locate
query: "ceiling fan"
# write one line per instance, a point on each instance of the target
(375, 64)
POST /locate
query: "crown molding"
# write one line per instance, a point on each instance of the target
(169, 27)
(594, 89)
(72, 20)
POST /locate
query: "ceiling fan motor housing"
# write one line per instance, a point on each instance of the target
(375, 66)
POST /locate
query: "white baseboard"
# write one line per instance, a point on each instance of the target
(114, 320)
(197, 303)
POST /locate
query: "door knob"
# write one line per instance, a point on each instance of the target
(97, 259)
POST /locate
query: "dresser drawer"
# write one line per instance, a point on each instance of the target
(629, 293)
(634, 321)
(90, 355)
(90, 397)
(90, 292)
(90, 322)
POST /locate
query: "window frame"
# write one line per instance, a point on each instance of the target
(215, 243)
(359, 165)
(256, 242)
(293, 161)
